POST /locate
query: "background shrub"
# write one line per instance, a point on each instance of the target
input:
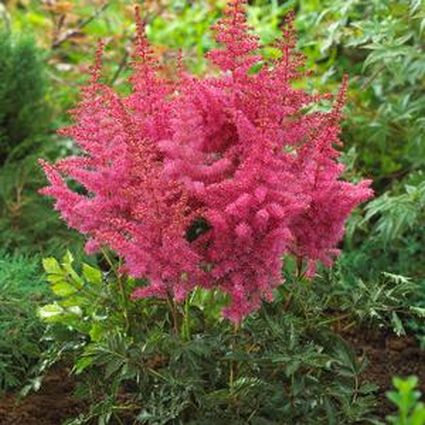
(22, 289)
(24, 111)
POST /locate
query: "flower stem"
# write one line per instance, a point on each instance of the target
(120, 288)
(174, 314)
(186, 320)
(233, 364)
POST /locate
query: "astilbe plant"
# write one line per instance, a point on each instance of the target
(209, 181)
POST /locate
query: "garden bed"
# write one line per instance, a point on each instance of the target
(387, 354)
(51, 405)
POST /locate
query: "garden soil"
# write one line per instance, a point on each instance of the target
(387, 355)
(51, 405)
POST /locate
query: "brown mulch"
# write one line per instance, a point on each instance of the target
(51, 405)
(387, 355)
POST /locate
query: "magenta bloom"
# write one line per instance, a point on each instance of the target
(236, 151)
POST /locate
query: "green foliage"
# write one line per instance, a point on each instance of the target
(164, 363)
(383, 259)
(389, 300)
(395, 215)
(380, 44)
(21, 290)
(406, 397)
(186, 26)
(27, 221)
(24, 112)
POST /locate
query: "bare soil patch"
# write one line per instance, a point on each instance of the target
(51, 405)
(388, 356)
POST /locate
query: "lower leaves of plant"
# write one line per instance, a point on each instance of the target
(158, 362)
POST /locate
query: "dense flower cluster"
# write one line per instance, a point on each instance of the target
(209, 181)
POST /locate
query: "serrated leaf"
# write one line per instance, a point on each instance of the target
(51, 266)
(49, 311)
(92, 274)
(96, 332)
(63, 289)
(419, 311)
(68, 258)
(113, 366)
(75, 310)
(82, 363)
(397, 324)
(292, 367)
